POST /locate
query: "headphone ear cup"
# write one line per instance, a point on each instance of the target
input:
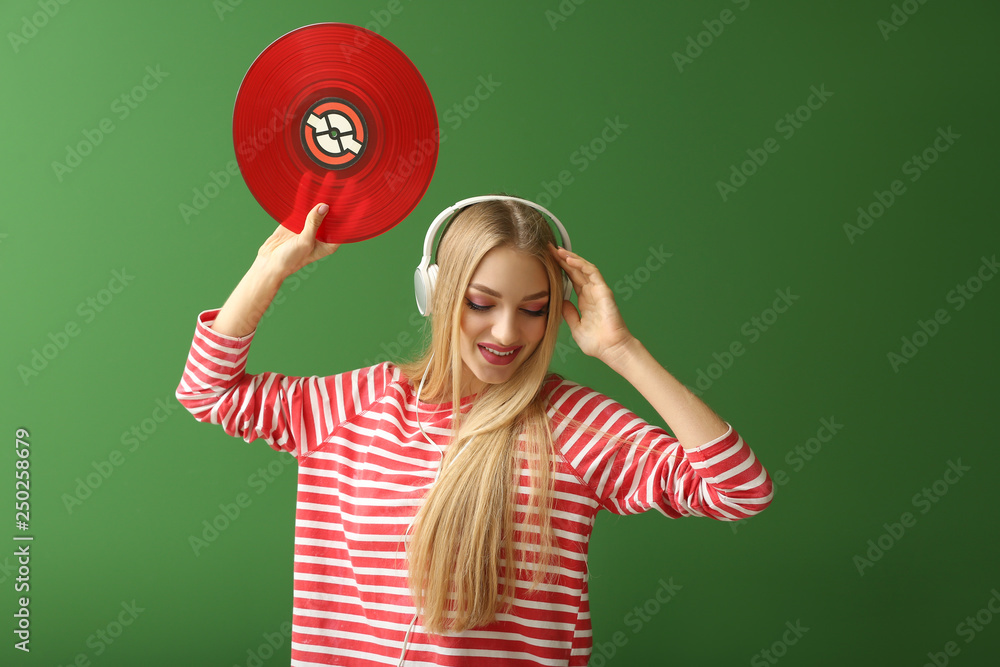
(420, 289)
(423, 284)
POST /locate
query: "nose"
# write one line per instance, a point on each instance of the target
(505, 330)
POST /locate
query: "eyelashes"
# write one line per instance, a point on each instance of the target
(475, 306)
(533, 313)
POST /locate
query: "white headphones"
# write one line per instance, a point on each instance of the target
(426, 274)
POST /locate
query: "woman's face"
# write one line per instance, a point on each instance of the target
(504, 313)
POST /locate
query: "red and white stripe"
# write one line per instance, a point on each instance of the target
(364, 468)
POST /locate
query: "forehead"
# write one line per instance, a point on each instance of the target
(511, 272)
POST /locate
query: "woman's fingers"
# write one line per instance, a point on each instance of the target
(578, 269)
(318, 249)
(314, 220)
(290, 251)
(561, 254)
(571, 271)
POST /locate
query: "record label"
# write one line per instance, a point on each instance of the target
(334, 133)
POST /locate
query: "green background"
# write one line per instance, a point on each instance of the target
(563, 69)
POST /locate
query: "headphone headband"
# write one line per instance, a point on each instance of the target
(459, 205)
(424, 277)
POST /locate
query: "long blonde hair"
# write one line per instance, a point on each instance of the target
(466, 547)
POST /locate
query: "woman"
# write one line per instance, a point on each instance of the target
(423, 484)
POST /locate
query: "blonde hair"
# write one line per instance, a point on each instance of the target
(468, 548)
(463, 555)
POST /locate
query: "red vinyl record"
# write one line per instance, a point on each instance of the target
(335, 113)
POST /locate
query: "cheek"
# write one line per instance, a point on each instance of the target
(537, 330)
(470, 327)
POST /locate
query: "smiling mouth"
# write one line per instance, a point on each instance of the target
(498, 352)
(496, 357)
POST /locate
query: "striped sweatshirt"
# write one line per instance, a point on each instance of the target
(364, 468)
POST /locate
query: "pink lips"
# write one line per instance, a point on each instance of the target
(496, 359)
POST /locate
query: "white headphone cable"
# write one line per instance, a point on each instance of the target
(416, 405)
(437, 472)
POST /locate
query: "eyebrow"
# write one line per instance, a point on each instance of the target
(487, 290)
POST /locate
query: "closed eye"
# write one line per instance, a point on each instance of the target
(532, 313)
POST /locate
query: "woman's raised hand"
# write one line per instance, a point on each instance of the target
(598, 327)
(285, 252)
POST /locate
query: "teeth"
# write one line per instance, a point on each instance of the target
(500, 354)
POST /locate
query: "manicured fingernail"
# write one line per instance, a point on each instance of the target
(323, 208)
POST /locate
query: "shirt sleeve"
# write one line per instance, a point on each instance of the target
(631, 466)
(292, 414)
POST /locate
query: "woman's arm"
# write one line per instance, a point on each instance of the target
(632, 466)
(716, 473)
(291, 413)
(242, 311)
(600, 332)
(692, 422)
(281, 255)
